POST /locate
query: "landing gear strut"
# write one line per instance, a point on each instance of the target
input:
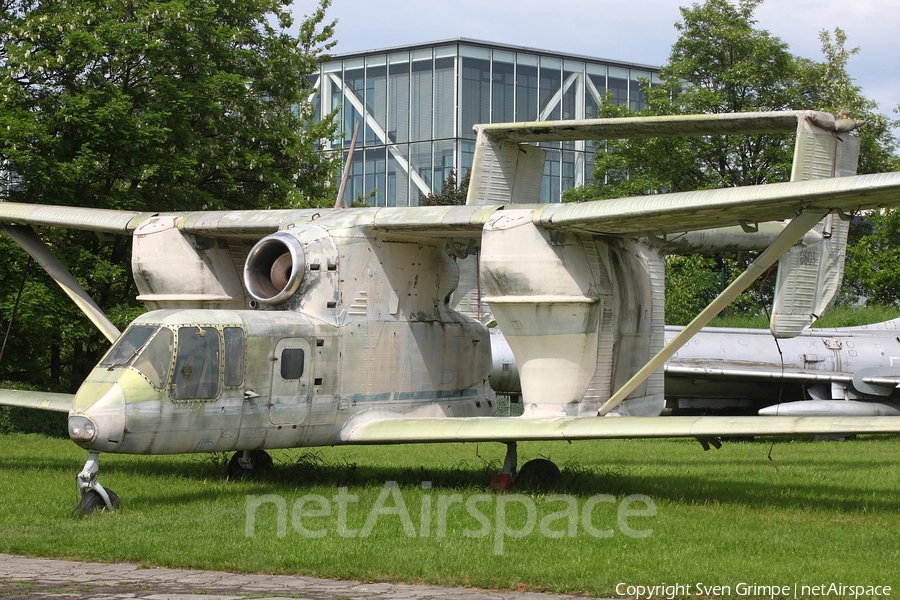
(94, 496)
(248, 462)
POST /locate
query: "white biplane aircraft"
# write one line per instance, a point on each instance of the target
(287, 328)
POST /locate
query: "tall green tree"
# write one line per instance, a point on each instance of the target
(146, 105)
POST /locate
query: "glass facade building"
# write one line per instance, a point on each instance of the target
(415, 107)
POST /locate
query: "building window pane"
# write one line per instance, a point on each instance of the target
(336, 94)
(550, 182)
(421, 105)
(444, 163)
(595, 91)
(567, 172)
(503, 100)
(375, 176)
(398, 175)
(618, 85)
(355, 190)
(398, 102)
(551, 89)
(475, 104)
(354, 88)
(444, 97)
(466, 157)
(573, 90)
(421, 171)
(376, 103)
(526, 92)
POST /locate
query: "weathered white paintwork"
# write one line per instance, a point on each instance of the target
(289, 328)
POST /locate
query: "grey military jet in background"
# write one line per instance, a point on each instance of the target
(289, 328)
(843, 371)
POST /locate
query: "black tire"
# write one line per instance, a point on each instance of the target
(538, 473)
(262, 462)
(92, 502)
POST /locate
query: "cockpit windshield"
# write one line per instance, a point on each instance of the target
(148, 353)
(128, 346)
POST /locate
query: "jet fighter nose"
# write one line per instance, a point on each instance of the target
(101, 424)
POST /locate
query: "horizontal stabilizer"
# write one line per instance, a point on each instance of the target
(647, 127)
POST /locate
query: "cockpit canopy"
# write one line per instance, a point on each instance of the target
(191, 359)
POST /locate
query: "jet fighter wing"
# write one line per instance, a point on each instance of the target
(714, 369)
(40, 400)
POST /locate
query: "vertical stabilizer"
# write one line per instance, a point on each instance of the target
(505, 173)
(810, 274)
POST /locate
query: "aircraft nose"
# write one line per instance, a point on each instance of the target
(101, 425)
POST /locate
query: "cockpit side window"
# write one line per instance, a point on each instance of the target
(155, 359)
(196, 374)
(234, 355)
(127, 347)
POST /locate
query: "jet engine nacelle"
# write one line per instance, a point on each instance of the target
(275, 268)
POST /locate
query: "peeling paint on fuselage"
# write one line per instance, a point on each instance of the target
(372, 320)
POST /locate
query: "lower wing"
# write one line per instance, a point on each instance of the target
(39, 400)
(381, 430)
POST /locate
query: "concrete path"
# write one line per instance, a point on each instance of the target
(47, 578)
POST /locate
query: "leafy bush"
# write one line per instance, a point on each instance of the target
(29, 420)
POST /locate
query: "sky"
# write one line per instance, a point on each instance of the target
(636, 31)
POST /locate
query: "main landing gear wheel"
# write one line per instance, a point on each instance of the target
(249, 462)
(92, 502)
(538, 473)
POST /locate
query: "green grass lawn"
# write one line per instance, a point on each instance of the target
(829, 513)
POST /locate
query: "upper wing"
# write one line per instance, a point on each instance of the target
(664, 214)
(656, 215)
(40, 400)
(503, 429)
(224, 223)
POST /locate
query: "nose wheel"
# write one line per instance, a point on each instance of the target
(93, 496)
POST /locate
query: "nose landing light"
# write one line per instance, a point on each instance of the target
(98, 423)
(82, 429)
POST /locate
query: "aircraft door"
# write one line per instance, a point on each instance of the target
(291, 374)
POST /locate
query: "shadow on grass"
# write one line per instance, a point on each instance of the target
(690, 480)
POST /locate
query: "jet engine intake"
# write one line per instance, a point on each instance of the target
(274, 268)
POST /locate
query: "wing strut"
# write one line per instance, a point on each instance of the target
(31, 243)
(791, 234)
